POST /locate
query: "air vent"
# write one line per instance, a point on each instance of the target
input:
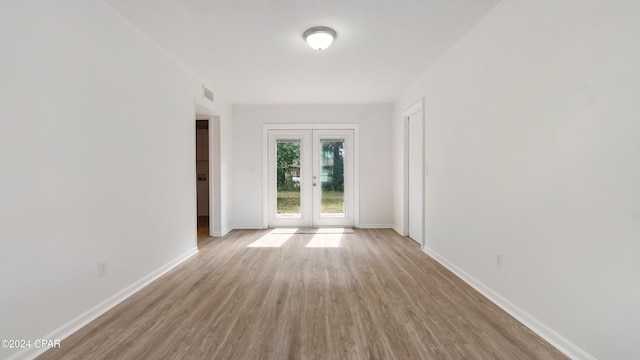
(207, 93)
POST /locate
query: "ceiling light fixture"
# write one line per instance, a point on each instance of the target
(319, 37)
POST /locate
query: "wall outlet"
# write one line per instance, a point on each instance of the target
(102, 268)
(499, 259)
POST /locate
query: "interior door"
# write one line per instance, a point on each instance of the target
(310, 178)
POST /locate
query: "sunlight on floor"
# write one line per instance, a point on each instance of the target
(277, 237)
(270, 241)
(325, 241)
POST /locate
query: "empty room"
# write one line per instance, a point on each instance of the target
(282, 179)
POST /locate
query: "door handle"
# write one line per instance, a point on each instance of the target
(314, 184)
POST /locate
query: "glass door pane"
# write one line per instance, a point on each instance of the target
(289, 178)
(332, 178)
(333, 169)
(288, 173)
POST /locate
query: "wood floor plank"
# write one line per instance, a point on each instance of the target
(368, 295)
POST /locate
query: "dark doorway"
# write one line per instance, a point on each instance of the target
(202, 171)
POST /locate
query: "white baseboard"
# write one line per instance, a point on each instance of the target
(561, 343)
(226, 231)
(249, 227)
(88, 316)
(401, 233)
(375, 226)
(222, 233)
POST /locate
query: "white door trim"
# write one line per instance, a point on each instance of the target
(314, 126)
(201, 112)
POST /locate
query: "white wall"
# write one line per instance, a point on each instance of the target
(97, 162)
(375, 155)
(533, 145)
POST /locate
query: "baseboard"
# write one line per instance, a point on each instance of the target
(222, 233)
(88, 316)
(401, 233)
(249, 227)
(375, 226)
(561, 343)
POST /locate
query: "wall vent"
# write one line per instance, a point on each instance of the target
(207, 93)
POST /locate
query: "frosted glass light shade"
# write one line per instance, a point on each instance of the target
(319, 38)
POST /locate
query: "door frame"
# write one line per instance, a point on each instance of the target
(311, 126)
(201, 112)
(416, 107)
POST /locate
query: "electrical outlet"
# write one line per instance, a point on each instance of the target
(102, 268)
(499, 259)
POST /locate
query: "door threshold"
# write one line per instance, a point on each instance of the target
(313, 230)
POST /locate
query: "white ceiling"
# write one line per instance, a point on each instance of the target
(252, 51)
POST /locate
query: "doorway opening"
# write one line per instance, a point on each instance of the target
(207, 173)
(203, 177)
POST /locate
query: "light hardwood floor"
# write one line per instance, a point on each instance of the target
(376, 296)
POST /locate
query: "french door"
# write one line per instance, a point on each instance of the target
(311, 178)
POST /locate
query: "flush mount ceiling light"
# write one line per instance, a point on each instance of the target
(319, 37)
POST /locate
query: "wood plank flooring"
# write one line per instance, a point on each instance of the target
(374, 296)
